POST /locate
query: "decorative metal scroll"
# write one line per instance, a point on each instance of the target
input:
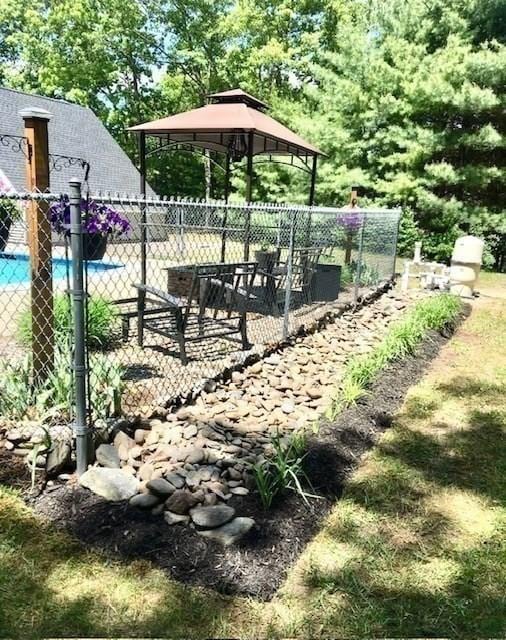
(188, 147)
(18, 144)
(58, 162)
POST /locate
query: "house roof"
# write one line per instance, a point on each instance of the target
(216, 125)
(73, 131)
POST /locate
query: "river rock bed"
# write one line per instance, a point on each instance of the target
(202, 454)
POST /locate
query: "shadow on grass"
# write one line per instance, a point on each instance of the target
(412, 571)
(49, 586)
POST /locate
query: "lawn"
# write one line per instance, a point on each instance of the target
(416, 547)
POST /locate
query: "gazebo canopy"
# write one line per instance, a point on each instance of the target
(226, 125)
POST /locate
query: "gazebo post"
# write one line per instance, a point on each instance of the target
(249, 195)
(311, 199)
(225, 215)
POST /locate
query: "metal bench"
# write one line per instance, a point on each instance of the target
(214, 307)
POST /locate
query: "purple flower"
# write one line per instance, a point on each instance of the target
(351, 222)
(96, 218)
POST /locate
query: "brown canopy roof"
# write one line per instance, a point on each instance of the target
(216, 125)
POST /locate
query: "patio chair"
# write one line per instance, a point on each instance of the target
(214, 308)
(304, 263)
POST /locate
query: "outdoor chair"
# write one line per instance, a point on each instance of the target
(304, 262)
(214, 307)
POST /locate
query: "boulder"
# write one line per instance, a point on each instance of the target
(230, 532)
(212, 516)
(111, 484)
(107, 456)
(161, 487)
(58, 457)
(181, 501)
(144, 501)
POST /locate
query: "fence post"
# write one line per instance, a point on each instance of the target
(359, 259)
(78, 297)
(395, 241)
(39, 238)
(289, 272)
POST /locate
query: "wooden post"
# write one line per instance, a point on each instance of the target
(39, 239)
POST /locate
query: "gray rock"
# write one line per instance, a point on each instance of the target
(181, 501)
(195, 455)
(212, 517)
(111, 484)
(230, 532)
(161, 487)
(176, 480)
(175, 518)
(107, 456)
(239, 491)
(144, 500)
(58, 457)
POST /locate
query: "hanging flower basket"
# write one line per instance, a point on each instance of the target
(99, 223)
(94, 246)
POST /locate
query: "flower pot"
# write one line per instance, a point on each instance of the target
(94, 246)
(266, 259)
(5, 227)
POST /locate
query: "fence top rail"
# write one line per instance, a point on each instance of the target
(139, 200)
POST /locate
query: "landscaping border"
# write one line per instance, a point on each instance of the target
(258, 565)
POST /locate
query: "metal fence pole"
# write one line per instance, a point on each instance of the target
(359, 259)
(289, 271)
(78, 297)
(395, 241)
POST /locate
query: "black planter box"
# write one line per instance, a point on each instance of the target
(325, 282)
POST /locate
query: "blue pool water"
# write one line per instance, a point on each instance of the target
(15, 268)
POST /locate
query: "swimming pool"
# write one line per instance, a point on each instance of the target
(15, 268)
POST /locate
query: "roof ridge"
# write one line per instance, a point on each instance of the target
(39, 95)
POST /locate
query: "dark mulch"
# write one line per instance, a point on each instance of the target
(258, 566)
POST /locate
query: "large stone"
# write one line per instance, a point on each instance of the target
(58, 457)
(181, 501)
(123, 444)
(212, 517)
(111, 484)
(161, 487)
(230, 532)
(176, 480)
(107, 456)
(144, 501)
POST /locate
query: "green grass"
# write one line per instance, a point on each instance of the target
(401, 340)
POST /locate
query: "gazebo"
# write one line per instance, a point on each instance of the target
(236, 125)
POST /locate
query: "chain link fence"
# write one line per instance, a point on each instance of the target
(176, 293)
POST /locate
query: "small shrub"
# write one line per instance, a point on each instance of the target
(100, 322)
(284, 470)
(54, 397)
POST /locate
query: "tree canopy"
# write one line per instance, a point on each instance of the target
(407, 97)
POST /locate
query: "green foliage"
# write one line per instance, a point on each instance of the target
(52, 399)
(283, 470)
(101, 329)
(9, 211)
(402, 339)
(409, 233)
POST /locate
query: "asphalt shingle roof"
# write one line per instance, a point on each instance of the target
(73, 131)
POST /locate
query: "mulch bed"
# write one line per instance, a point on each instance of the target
(257, 566)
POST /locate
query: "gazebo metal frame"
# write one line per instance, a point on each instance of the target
(234, 124)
